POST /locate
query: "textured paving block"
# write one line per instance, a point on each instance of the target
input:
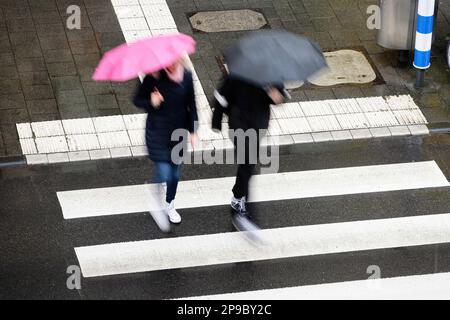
(400, 131)
(353, 121)
(137, 137)
(37, 159)
(302, 138)
(344, 106)
(120, 152)
(135, 121)
(83, 142)
(129, 12)
(324, 123)
(99, 154)
(402, 102)
(139, 151)
(361, 134)
(24, 130)
(419, 130)
(381, 119)
(52, 144)
(28, 146)
(129, 24)
(322, 136)
(409, 117)
(341, 135)
(114, 139)
(372, 104)
(78, 126)
(134, 35)
(79, 156)
(58, 157)
(161, 22)
(109, 124)
(380, 132)
(47, 128)
(156, 10)
(316, 108)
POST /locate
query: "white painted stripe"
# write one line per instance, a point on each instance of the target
(419, 287)
(423, 41)
(426, 8)
(289, 185)
(300, 241)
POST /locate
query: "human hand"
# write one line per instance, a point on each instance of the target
(193, 139)
(275, 95)
(156, 98)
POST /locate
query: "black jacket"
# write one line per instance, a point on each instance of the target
(178, 111)
(247, 106)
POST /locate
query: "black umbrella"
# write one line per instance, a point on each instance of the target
(269, 57)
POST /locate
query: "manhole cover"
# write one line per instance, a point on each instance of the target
(229, 20)
(346, 66)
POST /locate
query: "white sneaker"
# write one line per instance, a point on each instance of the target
(153, 196)
(174, 216)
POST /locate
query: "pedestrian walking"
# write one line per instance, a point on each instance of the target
(248, 109)
(167, 95)
(259, 65)
(168, 98)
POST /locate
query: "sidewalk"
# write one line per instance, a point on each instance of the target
(45, 69)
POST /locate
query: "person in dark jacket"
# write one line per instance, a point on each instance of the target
(248, 108)
(169, 99)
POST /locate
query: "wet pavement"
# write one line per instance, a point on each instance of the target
(37, 244)
(45, 74)
(45, 69)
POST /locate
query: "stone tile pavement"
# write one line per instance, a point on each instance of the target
(45, 69)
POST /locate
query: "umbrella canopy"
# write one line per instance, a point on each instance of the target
(149, 55)
(269, 57)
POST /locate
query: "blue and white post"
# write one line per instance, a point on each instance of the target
(424, 37)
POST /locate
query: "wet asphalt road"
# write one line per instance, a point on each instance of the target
(37, 244)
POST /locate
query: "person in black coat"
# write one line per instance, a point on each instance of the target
(169, 99)
(248, 108)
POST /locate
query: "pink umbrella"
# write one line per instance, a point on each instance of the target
(149, 55)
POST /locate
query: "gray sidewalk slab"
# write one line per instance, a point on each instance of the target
(46, 69)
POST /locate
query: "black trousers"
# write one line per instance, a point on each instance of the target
(246, 169)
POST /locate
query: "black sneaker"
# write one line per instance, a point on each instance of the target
(238, 205)
(242, 223)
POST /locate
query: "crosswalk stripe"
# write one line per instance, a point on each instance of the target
(423, 287)
(299, 241)
(269, 187)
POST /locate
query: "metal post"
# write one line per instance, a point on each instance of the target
(424, 37)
